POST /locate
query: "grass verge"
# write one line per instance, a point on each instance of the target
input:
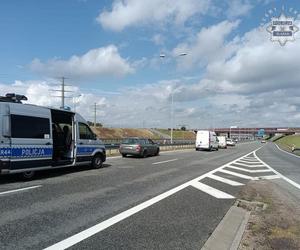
(276, 225)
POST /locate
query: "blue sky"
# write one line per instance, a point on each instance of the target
(109, 50)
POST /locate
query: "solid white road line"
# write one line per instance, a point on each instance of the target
(224, 180)
(212, 191)
(68, 242)
(64, 244)
(247, 177)
(160, 162)
(243, 161)
(19, 190)
(270, 177)
(295, 184)
(251, 161)
(249, 166)
(286, 151)
(250, 171)
(249, 158)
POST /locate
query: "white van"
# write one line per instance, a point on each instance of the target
(35, 138)
(222, 141)
(207, 140)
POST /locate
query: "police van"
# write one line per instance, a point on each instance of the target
(36, 138)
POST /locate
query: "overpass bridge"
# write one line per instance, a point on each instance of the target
(252, 132)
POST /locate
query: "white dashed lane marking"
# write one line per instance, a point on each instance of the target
(19, 190)
(160, 162)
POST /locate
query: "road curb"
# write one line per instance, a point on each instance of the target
(229, 232)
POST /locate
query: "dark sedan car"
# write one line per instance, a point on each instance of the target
(138, 146)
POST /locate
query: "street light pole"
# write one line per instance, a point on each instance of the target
(172, 98)
(172, 114)
(75, 102)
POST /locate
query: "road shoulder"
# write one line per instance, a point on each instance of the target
(229, 232)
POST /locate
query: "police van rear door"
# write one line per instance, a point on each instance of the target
(5, 149)
(31, 137)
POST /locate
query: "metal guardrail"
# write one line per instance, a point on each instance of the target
(114, 144)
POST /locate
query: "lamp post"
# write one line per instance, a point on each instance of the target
(172, 114)
(172, 95)
(74, 101)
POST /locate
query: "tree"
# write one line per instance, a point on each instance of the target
(183, 128)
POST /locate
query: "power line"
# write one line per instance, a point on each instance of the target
(95, 113)
(62, 91)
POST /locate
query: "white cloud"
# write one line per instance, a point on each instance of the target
(39, 93)
(96, 62)
(158, 39)
(258, 65)
(251, 82)
(207, 46)
(126, 13)
(238, 8)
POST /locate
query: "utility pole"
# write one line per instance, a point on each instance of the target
(95, 107)
(62, 91)
(95, 114)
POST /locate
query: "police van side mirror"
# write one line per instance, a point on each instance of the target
(6, 126)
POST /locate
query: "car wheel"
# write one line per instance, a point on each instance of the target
(97, 161)
(28, 175)
(124, 155)
(157, 152)
(144, 154)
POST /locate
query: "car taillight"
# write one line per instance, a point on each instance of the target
(138, 148)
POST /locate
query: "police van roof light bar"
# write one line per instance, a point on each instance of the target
(12, 97)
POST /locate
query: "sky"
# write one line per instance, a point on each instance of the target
(131, 56)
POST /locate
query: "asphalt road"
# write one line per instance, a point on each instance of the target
(127, 204)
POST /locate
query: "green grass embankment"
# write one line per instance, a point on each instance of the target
(179, 134)
(276, 137)
(289, 142)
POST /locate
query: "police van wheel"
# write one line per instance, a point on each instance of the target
(28, 175)
(97, 161)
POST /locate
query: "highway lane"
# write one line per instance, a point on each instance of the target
(287, 165)
(283, 162)
(67, 202)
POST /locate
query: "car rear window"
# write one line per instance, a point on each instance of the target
(130, 141)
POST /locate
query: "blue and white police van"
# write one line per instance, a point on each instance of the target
(34, 138)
